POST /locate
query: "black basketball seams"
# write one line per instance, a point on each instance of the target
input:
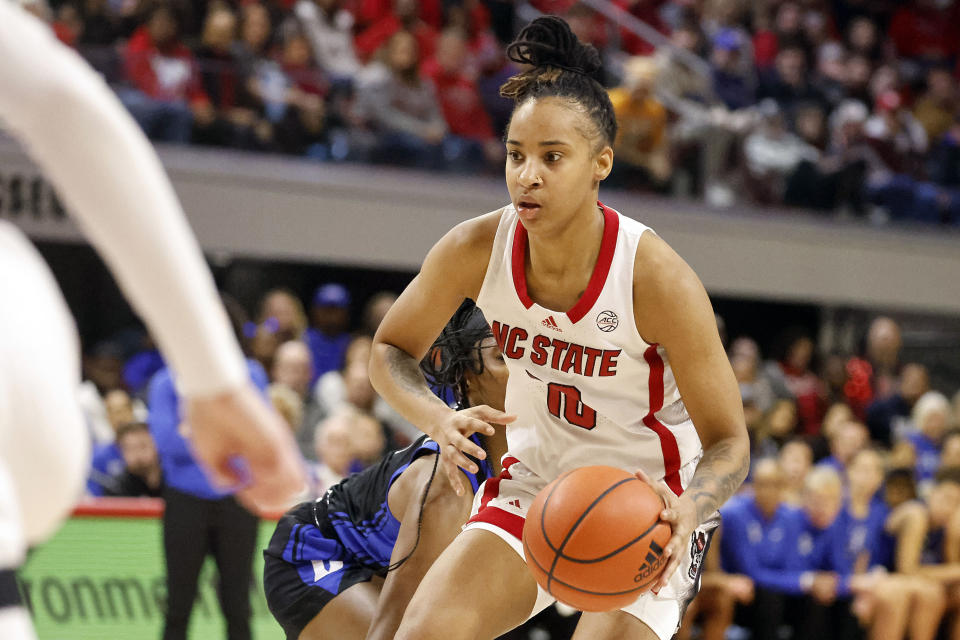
(614, 552)
(558, 553)
(543, 510)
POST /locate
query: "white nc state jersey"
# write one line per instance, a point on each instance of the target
(585, 387)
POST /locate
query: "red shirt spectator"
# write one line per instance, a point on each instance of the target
(457, 92)
(923, 30)
(404, 16)
(647, 11)
(161, 66)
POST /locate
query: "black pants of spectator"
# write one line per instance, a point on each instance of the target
(806, 618)
(192, 529)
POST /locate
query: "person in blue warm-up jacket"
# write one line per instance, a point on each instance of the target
(200, 519)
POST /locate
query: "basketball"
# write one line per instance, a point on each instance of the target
(593, 538)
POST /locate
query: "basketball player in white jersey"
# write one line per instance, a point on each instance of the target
(110, 178)
(613, 353)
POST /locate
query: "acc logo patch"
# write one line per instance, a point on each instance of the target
(607, 321)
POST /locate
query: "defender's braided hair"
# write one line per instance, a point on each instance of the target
(563, 67)
(455, 352)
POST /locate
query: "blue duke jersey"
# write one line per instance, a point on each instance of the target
(585, 387)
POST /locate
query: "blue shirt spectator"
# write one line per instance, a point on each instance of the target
(765, 549)
(181, 471)
(140, 368)
(928, 456)
(107, 463)
(328, 337)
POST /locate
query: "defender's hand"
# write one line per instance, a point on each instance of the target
(453, 436)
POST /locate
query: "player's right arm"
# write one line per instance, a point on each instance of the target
(112, 181)
(453, 270)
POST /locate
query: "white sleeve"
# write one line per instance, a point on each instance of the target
(112, 181)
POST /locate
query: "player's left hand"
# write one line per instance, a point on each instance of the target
(681, 514)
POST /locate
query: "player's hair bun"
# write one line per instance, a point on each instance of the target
(549, 42)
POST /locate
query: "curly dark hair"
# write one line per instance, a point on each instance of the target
(457, 351)
(563, 67)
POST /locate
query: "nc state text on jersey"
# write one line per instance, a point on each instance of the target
(567, 357)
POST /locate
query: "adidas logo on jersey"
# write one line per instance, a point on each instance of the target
(550, 323)
(515, 503)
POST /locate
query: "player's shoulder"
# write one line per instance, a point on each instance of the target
(659, 272)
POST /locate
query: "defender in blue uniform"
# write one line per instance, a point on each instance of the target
(348, 563)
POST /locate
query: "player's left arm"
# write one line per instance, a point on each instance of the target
(673, 310)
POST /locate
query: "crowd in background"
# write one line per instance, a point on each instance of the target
(848, 106)
(849, 522)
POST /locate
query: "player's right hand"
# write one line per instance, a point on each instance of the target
(243, 443)
(453, 436)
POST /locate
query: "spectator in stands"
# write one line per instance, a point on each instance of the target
(938, 106)
(778, 426)
(930, 416)
(220, 74)
(252, 52)
(296, 106)
(472, 140)
(889, 604)
(141, 475)
(642, 142)
(731, 84)
(285, 309)
(200, 519)
(404, 17)
(374, 311)
(796, 460)
(950, 450)
(857, 73)
(926, 32)
(886, 417)
(793, 367)
(327, 336)
(100, 26)
(140, 367)
(293, 367)
(772, 154)
(831, 73)
(288, 404)
(334, 449)
(107, 456)
(850, 438)
(944, 162)
(329, 27)
(789, 82)
(761, 538)
(894, 126)
(403, 109)
(863, 38)
(165, 95)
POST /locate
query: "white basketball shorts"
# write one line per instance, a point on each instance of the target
(500, 507)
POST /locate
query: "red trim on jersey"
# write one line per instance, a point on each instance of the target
(608, 243)
(611, 226)
(520, 265)
(668, 441)
(509, 522)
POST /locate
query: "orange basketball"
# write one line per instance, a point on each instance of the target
(593, 538)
